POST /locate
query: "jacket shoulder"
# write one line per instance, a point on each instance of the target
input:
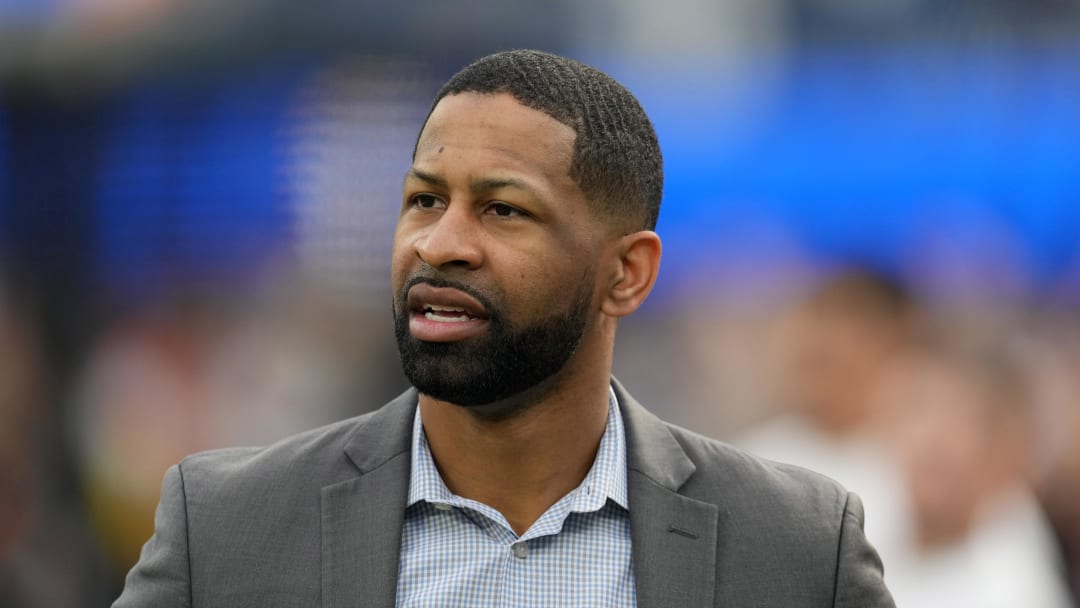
(727, 475)
(259, 511)
(783, 527)
(318, 448)
(313, 458)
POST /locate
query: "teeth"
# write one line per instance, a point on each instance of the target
(445, 309)
(446, 314)
(434, 317)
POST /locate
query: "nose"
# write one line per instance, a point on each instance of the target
(452, 239)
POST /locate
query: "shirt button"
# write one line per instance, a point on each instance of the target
(521, 550)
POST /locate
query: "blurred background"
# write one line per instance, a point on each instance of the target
(871, 268)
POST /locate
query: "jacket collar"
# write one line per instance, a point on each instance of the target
(362, 517)
(674, 537)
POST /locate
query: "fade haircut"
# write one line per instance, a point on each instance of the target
(616, 160)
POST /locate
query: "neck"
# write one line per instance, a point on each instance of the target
(525, 460)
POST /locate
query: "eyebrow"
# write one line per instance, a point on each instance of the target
(430, 178)
(476, 187)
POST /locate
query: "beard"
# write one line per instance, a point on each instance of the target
(506, 361)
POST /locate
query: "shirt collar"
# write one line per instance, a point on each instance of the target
(606, 478)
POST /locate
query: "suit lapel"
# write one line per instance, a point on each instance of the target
(674, 537)
(362, 517)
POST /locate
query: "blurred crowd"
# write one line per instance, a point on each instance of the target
(956, 430)
(82, 458)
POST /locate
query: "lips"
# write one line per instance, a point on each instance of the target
(444, 301)
(444, 314)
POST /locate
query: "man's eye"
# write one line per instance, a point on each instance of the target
(503, 210)
(426, 201)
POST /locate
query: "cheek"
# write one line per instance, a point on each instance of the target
(542, 285)
(526, 283)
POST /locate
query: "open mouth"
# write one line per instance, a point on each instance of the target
(444, 314)
(447, 314)
(444, 304)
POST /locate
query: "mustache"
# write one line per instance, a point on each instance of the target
(434, 278)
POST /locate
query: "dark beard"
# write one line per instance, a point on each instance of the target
(505, 362)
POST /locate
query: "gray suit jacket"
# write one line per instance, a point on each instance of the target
(315, 520)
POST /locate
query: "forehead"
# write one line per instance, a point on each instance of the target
(499, 123)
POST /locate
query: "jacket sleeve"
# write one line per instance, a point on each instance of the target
(162, 578)
(860, 579)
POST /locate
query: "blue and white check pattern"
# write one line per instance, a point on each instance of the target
(459, 552)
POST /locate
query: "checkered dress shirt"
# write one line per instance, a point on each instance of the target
(459, 552)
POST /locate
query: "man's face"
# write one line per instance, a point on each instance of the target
(493, 261)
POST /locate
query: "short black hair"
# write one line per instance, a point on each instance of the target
(616, 160)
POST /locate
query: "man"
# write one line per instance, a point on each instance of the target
(517, 471)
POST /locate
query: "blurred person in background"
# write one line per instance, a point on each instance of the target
(1060, 495)
(964, 426)
(835, 347)
(1058, 484)
(47, 559)
(199, 372)
(141, 403)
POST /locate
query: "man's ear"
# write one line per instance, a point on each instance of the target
(633, 273)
